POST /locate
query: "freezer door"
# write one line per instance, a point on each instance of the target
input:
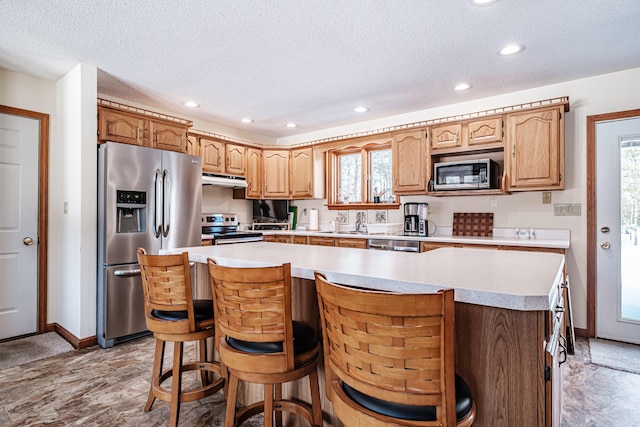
(182, 185)
(130, 169)
(123, 302)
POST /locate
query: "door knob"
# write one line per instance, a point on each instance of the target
(28, 241)
(605, 245)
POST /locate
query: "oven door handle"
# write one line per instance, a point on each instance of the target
(238, 240)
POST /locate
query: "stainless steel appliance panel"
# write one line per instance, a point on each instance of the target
(130, 168)
(123, 301)
(183, 204)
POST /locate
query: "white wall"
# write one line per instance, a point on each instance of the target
(73, 250)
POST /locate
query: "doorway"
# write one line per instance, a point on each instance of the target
(613, 300)
(23, 234)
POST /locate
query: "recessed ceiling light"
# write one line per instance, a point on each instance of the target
(292, 125)
(361, 109)
(511, 49)
(482, 2)
(246, 120)
(191, 104)
(462, 86)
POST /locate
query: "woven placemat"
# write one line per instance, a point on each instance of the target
(478, 224)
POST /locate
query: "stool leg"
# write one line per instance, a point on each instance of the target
(230, 414)
(278, 398)
(156, 372)
(315, 398)
(202, 357)
(268, 405)
(176, 383)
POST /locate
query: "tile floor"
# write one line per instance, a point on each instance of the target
(98, 387)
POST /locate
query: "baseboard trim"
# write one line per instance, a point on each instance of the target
(76, 342)
(582, 333)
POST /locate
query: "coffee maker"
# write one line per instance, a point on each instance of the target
(415, 219)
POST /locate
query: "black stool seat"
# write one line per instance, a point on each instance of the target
(202, 308)
(304, 339)
(464, 403)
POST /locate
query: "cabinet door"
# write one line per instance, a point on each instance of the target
(276, 174)
(485, 131)
(409, 151)
(534, 153)
(193, 147)
(236, 161)
(301, 183)
(300, 240)
(254, 173)
(446, 136)
(322, 241)
(352, 243)
(122, 127)
(212, 153)
(169, 136)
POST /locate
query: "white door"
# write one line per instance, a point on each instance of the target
(19, 142)
(618, 230)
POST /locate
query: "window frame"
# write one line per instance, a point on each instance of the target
(365, 148)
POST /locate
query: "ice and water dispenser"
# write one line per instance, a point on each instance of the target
(132, 211)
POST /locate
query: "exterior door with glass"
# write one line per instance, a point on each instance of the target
(618, 230)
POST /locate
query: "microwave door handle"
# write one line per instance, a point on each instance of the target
(166, 196)
(157, 205)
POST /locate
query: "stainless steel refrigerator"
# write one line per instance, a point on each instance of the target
(146, 198)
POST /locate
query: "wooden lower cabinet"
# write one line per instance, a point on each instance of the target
(352, 243)
(300, 240)
(322, 241)
(277, 238)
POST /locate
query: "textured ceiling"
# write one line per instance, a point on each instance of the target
(311, 62)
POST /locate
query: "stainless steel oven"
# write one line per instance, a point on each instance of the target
(223, 229)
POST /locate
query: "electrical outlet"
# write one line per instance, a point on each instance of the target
(567, 209)
(304, 211)
(494, 202)
(546, 197)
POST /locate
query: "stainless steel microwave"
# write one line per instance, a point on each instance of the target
(466, 175)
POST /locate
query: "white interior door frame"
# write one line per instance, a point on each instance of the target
(592, 239)
(43, 208)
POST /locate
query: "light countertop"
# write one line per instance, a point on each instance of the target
(545, 238)
(507, 279)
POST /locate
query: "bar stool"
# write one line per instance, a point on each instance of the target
(173, 316)
(258, 342)
(389, 358)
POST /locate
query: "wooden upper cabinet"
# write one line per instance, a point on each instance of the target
(486, 131)
(534, 150)
(254, 173)
(409, 153)
(301, 173)
(130, 127)
(193, 145)
(446, 136)
(467, 135)
(276, 174)
(236, 160)
(168, 136)
(212, 152)
(118, 126)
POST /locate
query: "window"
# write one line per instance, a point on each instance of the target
(360, 175)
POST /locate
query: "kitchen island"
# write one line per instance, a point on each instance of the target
(503, 312)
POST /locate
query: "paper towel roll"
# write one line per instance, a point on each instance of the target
(313, 219)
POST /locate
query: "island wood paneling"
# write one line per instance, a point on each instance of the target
(499, 352)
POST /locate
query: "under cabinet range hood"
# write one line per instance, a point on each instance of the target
(224, 180)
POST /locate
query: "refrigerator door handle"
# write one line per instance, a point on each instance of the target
(157, 205)
(166, 195)
(125, 273)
